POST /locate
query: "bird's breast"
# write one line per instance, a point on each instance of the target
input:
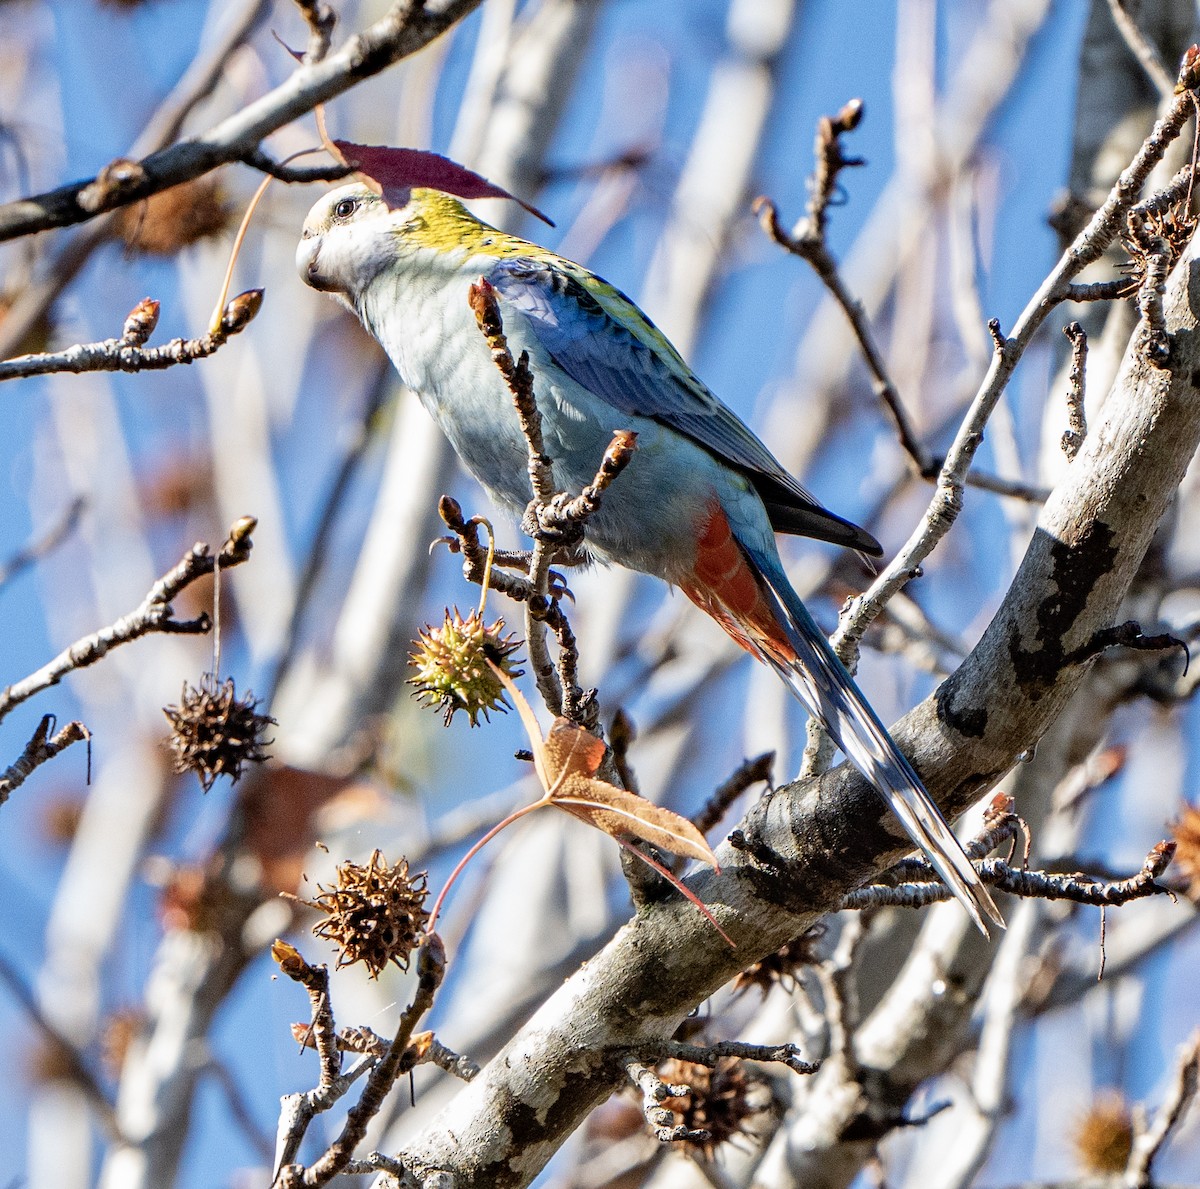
(648, 519)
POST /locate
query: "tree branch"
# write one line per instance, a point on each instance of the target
(127, 354)
(812, 842)
(154, 614)
(408, 26)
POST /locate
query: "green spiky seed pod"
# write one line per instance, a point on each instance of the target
(451, 664)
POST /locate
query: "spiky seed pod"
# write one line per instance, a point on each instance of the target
(1103, 1136)
(784, 965)
(723, 1100)
(214, 732)
(374, 914)
(1186, 832)
(172, 219)
(451, 665)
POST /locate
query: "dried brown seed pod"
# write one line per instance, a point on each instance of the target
(214, 732)
(1186, 832)
(1103, 1136)
(724, 1101)
(374, 914)
(172, 219)
(784, 965)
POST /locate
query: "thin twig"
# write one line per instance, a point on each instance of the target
(711, 1054)
(756, 771)
(196, 84)
(659, 1118)
(322, 1032)
(296, 174)
(1041, 885)
(554, 519)
(353, 453)
(1180, 1095)
(1142, 48)
(431, 966)
(126, 354)
(621, 734)
(1088, 246)
(406, 27)
(43, 746)
(154, 614)
(364, 1040)
(839, 984)
(239, 1107)
(320, 19)
(81, 1072)
(44, 545)
(1076, 430)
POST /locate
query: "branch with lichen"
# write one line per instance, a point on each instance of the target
(154, 614)
(129, 352)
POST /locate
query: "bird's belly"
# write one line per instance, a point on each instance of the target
(649, 517)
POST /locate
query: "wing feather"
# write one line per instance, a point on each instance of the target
(604, 342)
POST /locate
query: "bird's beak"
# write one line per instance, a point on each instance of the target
(308, 264)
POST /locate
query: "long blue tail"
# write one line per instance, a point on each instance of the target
(821, 682)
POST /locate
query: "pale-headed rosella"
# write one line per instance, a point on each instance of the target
(702, 498)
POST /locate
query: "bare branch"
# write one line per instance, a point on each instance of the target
(1076, 429)
(45, 544)
(431, 966)
(126, 354)
(1041, 885)
(1088, 246)
(81, 1072)
(154, 614)
(659, 1118)
(1142, 48)
(43, 746)
(749, 772)
(1180, 1094)
(408, 26)
(321, 20)
(786, 1054)
(555, 520)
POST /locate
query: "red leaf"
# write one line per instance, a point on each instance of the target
(400, 170)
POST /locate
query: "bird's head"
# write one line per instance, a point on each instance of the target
(348, 239)
(356, 232)
(353, 234)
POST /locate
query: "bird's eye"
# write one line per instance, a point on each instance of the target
(345, 208)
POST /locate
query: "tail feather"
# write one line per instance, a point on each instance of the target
(822, 683)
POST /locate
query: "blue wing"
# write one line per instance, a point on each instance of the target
(595, 334)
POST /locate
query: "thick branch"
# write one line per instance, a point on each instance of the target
(408, 26)
(814, 841)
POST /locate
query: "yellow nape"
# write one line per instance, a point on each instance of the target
(438, 221)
